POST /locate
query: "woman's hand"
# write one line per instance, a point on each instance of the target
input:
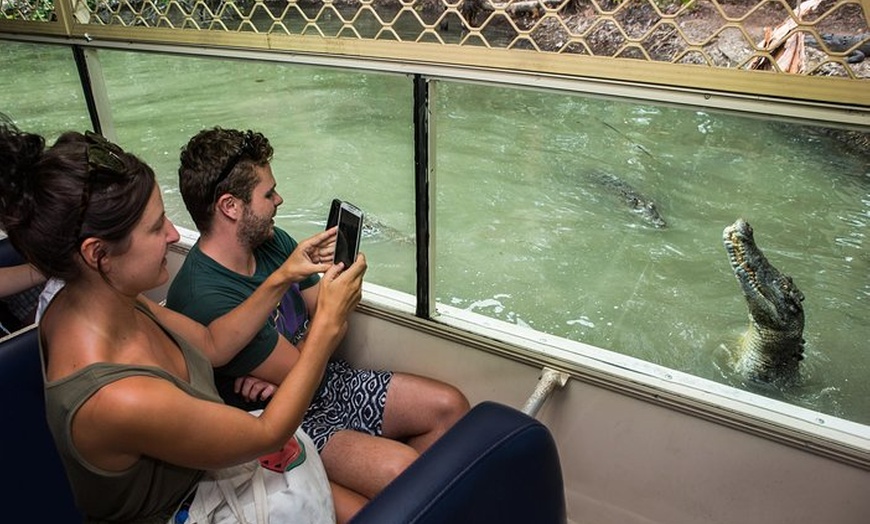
(341, 290)
(312, 255)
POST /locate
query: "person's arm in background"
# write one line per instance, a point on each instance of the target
(14, 279)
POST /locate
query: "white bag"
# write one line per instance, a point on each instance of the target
(250, 493)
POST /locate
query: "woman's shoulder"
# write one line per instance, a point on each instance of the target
(72, 339)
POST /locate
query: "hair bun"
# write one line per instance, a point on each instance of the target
(19, 152)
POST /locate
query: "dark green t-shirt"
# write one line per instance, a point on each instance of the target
(203, 289)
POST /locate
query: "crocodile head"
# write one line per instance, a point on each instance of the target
(773, 345)
(647, 210)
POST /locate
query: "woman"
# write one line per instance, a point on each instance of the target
(130, 396)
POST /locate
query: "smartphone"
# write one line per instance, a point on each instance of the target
(332, 221)
(349, 220)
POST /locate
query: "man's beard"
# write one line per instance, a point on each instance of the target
(254, 230)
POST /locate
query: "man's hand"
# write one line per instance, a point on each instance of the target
(312, 255)
(253, 389)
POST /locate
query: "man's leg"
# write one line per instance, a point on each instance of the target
(419, 410)
(409, 411)
(360, 465)
(347, 502)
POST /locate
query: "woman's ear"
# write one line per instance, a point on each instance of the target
(93, 252)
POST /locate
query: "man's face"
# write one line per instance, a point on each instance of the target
(256, 225)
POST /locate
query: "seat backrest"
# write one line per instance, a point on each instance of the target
(495, 465)
(8, 255)
(35, 486)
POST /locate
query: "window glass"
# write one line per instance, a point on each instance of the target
(542, 222)
(336, 134)
(40, 89)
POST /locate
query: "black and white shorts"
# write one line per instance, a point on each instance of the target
(348, 398)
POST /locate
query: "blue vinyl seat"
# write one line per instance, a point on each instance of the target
(496, 465)
(34, 473)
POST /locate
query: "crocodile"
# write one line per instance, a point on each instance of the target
(772, 347)
(375, 229)
(839, 43)
(637, 203)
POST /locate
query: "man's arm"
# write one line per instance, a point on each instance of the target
(279, 362)
(309, 295)
(224, 337)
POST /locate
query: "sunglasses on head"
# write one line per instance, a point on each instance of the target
(104, 158)
(245, 148)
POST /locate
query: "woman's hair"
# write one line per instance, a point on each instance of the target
(218, 161)
(52, 199)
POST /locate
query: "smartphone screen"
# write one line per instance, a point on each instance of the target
(350, 220)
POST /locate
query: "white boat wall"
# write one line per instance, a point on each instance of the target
(638, 444)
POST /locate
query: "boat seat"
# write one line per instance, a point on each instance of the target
(494, 465)
(36, 487)
(8, 255)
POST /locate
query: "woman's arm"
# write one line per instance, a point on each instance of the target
(148, 416)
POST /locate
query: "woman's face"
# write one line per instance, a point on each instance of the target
(143, 265)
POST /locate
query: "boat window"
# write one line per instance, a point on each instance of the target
(602, 222)
(43, 93)
(336, 134)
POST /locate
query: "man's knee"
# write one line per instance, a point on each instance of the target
(393, 464)
(450, 403)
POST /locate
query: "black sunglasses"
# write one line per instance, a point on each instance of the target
(104, 158)
(246, 148)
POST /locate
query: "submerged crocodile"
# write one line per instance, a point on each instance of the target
(773, 345)
(378, 230)
(636, 202)
(842, 43)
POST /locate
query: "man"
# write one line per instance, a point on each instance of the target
(367, 425)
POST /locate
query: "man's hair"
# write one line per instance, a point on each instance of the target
(217, 161)
(52, 199)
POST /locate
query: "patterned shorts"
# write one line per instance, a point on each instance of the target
(348, 398)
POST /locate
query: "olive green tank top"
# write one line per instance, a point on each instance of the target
(151, 490)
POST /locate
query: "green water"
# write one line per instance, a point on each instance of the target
(525, 230)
